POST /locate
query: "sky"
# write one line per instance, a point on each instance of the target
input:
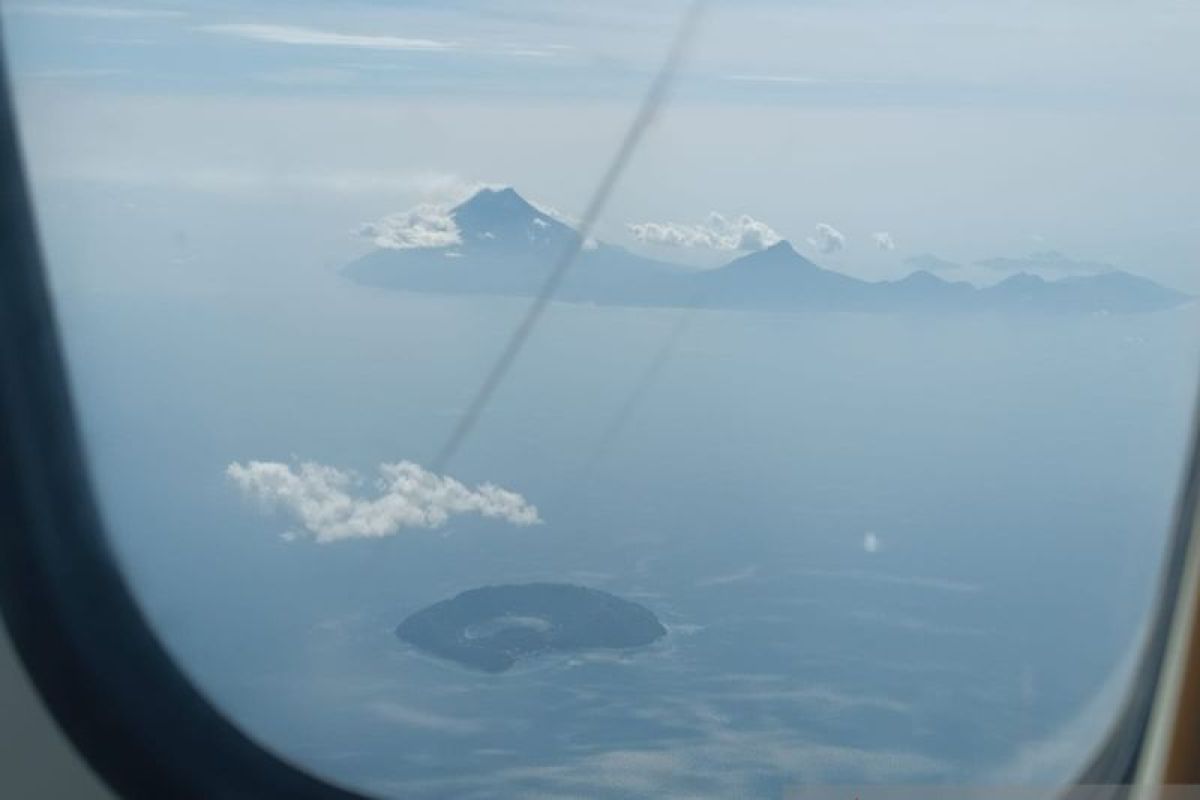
(866, 132)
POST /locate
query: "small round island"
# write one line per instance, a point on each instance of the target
(492, 627)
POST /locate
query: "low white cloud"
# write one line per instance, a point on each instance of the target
(717, 233)
(409, 717)
(301, 36)
(871, 543)
(744, 574)
(431, 224)
(325, 501)
(883, 240)
(910, 581)
(314, 37)
(721, 757)
(426, 225)
(553, 213)
(248, 178)
(827, 239)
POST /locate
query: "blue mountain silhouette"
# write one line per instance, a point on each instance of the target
(509, 247)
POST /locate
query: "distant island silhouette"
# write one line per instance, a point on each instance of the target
(493, 627)
(497, 243)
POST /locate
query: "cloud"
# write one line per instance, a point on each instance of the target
(871, 543)
(827, 239)
(314, 37)
(569, 220)
(744, 574)
(322, 499)
(721, 760)
(911, 581)
(432, 224)
(907, 622)
(718, 233)
(426, 225)
(256, 178)
(300, 36)
(416, 718)
(883, 240)
(91, 12)
(778, 690)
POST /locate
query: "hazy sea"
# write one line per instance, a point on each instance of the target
(888, 549)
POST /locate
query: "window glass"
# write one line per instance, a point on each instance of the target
(844, 452)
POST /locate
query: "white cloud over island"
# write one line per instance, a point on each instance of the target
(718, 232)
(326, 503)
(883, 240)
(827, 239)
(426, 225)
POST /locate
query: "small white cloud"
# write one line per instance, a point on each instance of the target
(427, 225)
(446, 188)
(717, 233)
(827, 239)
(323, 499)
(871, 543)
(314, 37)
(553, 213)
(883, 240)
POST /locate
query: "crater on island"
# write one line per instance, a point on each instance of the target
(492, 627)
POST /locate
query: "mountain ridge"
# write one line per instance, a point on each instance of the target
(507, 246)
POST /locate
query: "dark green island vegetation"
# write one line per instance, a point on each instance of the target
(492, 627)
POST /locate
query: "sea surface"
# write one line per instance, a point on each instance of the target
(888, 549)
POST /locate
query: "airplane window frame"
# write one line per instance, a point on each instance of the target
(87, 647)
(100, 669)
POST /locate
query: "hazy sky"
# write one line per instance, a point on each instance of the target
(971, 130)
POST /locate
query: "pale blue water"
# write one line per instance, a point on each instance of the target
(1017, 474)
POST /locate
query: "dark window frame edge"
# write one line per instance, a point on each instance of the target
(83, 640)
